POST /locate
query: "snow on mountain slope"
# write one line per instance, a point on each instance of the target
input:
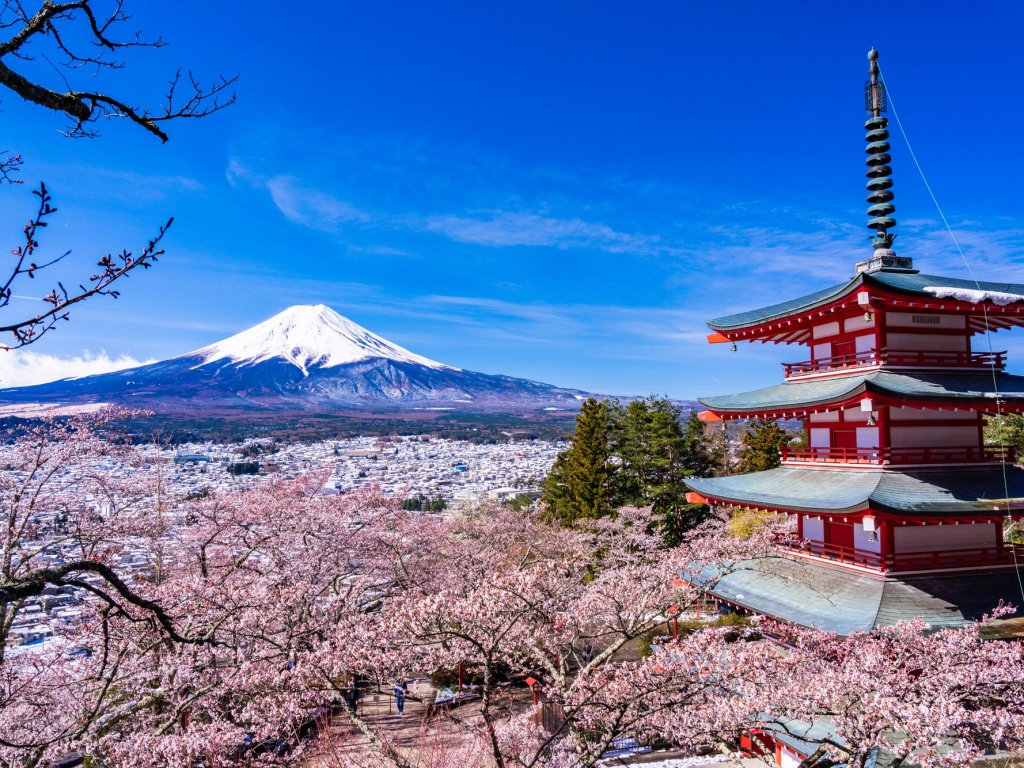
(309, 335)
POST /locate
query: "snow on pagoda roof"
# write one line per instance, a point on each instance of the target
(801, 395)
(924, 286)
(947, 492)
(821, 596)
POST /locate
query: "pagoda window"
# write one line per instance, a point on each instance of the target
(814, 529)
(921, 320)
(920, 436)
(903, 414)
(855, 414)
(820, 437)
(862, 539)
(825, 417)
(867, 437)
(943, 538)
(821, 351)
(823, 331)
(858, 323)
(864, 343)
(929, 342)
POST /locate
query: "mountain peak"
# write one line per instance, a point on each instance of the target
(308, 335)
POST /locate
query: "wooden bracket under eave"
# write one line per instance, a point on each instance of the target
(717, 338)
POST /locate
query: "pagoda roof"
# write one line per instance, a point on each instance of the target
(816, 595)
(907, 283)
(947, 492)
(942, 387)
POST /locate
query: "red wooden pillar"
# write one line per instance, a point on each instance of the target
(886, 540)
(884, 438)
(879, 329)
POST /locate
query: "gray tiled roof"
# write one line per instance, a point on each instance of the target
(817, 595)
(948, 491)
(945, 386)
(900, 282)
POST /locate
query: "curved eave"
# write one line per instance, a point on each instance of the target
(936, 391)
(787, 321)
(787, 489)
(945, 493)
(820, 595)
(787, 309)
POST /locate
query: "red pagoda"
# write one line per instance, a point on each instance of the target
(899, 503)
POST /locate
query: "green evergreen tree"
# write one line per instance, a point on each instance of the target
(706, 451)
(1006, 431)
(761, 444)
(579, 485)
(638, 454)
(653, 456)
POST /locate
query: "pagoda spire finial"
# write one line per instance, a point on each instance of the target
(880, 207)
(879, 173)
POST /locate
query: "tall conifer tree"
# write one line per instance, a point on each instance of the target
(761, 444)
(579, 485)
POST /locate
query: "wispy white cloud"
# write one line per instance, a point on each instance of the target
(24, 367)
(311, 207)
(527, 228)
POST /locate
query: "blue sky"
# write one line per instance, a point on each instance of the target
(559, 191)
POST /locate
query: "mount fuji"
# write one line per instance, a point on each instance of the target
(309, 358)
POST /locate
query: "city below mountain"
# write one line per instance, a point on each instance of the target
(306, 358)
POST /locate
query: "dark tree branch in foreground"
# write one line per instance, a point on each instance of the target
(34, 582)
(60, 299)
(186, 96)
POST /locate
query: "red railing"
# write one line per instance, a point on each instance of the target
(879, 456)
(1006, 554)
(899, 358)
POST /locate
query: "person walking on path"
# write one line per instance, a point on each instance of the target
(399, 691)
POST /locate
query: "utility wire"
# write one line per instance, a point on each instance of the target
(984, 310)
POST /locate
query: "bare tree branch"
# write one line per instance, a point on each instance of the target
(111, 268)
(86, 107)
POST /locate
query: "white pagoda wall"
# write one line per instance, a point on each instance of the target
(925, 341)
(814, 529)
(930, 538)
(934, 437)
(861, 539)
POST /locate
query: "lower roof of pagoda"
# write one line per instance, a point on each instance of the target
(949, 492)
(790, 397)
(817, 595)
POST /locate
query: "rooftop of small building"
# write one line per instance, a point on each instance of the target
(815, 595)
(910, 283)
(960, 387)
(947, 492)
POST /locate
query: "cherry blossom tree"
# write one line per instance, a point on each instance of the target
(195, 620)
(210, 632)
(928, 698)
(508, 596)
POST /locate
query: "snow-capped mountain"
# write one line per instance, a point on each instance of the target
(306, 357)
(309, 335)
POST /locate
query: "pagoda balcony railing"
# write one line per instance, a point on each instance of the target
(898, 359)
(1007, 554)
(883, 456)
